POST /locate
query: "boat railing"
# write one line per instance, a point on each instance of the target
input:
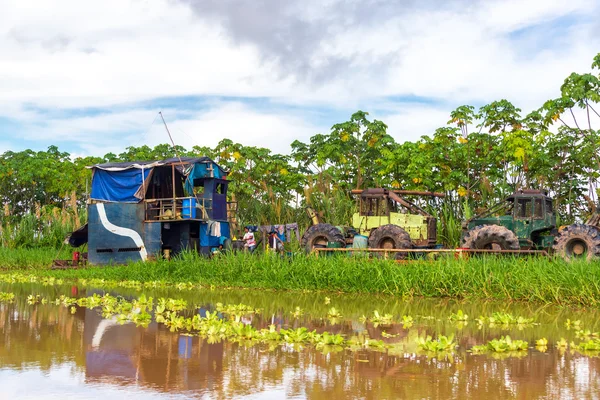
(179, 208)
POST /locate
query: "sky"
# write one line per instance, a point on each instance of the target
(91, 76)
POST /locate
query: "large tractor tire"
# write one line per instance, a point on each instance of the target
(390, 237)
(578, 241)
(319, 235)
(491, 237)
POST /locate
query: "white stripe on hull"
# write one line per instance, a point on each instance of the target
(117, 230)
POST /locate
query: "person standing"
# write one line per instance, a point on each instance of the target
(275, 242)
(249, 241)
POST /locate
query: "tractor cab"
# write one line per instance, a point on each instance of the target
(376, 203)
(528, 213)
(532, 212)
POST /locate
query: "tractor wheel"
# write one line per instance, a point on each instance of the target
(491, 237)
(319, 235)
(390, 237)
(578, 241)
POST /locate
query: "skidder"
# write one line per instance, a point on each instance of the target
(526, 221)
(385, 220)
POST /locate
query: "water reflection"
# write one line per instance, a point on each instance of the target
(98, 353)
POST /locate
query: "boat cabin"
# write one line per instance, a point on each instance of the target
(142, 209)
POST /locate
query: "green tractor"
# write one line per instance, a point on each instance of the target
(526, 221)
(385, 220)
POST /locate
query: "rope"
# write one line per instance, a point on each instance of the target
(61, 247)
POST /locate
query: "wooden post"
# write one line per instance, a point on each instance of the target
(144, 195)
(174, 195)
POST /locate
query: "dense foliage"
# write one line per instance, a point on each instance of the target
(478, 158)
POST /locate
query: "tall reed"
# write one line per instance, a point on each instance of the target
(44, 227)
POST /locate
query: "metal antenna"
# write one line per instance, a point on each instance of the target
(169, 133)
(176, 153)
(170, 137)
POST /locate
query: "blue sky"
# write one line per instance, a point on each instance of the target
(91, 77)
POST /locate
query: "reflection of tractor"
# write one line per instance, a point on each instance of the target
(526, 220)
(385, 220)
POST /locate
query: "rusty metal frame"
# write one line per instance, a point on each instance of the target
(458, 252)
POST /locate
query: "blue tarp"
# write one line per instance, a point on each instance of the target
(212, 241)
(200, 170)
(119, 182)
(119, 186)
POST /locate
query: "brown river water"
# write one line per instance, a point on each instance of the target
(48, 352)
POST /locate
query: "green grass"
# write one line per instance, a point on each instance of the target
(504, 278)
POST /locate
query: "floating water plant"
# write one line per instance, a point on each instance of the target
(442, 343)
(592, 345)
(31, 299)
(407, 321)
(585, 334)
(378, 319)
(297, 313)
(504, 320)
(213, 327)
(459, 316)
(173, 304)
(573, 324)
(237, 309)
(541, 345)
(143, 302)
(298, 335)
(562, 343)
(185, 286)
(333, 313)
(7, 297)
(363, 341)
(382, 319)
(328, 339)
(502, 345)
(51, 281)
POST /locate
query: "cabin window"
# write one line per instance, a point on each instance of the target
(220, 188)
(199, 186)
(539, 209)
(524, 208)
(549, 206)
(374, 207)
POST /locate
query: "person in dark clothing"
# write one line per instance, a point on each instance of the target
(275, 242)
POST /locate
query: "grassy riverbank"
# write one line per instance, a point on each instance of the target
(525, 279)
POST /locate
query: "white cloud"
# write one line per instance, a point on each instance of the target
(239, 123)
(510, 15)
(415, 120)
(112, 132)
(116, 51)
(98, 54)
(74, 54)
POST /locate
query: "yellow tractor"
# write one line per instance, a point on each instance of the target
(385, 220)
